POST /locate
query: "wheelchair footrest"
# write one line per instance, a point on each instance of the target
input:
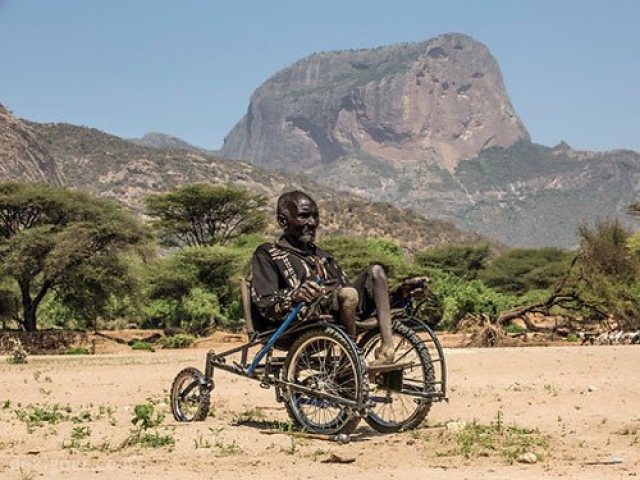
(388, 367)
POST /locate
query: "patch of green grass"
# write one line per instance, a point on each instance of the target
(227, 449)
(514, 328)
(138, 345)
(37, 415)
(180, 340)
(145, 418)
(155, 440)
(496, 438)
(76, 351)
(248, 415)
(79, 433)
(83, 417)
(201, 442)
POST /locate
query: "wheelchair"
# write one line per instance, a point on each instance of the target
(322, 375)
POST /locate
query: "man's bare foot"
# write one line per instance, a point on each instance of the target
(384, 355)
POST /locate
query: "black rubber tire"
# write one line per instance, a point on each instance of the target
(195, 407)
(327, 359)
(409, 347)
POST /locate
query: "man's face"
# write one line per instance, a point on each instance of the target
(302, 220)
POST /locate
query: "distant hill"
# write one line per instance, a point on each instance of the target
(162, 140)
(531, 195)
(111, 167)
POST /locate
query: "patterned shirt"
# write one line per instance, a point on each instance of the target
(279, 268)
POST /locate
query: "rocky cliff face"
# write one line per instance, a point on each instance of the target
(437, 102)
(22, 155)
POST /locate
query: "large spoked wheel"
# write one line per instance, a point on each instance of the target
(190, 396)
(398, 397)
(329, 373)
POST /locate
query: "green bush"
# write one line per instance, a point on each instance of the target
(138, 345)
(460, 297)
(180, 340)
(355, 254)
(514, 328)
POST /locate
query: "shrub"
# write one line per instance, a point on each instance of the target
(76, 351)
(180, 340)
(138, 345)
(18, 354)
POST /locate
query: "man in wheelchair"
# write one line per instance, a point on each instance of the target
(294, 270)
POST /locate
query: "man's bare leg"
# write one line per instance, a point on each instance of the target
(347, 305)
(383, 308)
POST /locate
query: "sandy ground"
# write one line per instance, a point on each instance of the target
(581, 403)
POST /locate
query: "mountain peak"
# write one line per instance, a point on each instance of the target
(438, 101)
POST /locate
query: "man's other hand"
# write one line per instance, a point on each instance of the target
(307, 292)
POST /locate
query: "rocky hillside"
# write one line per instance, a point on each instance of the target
(437, 102)
(109, 166)
(23, 155)
(531, 195)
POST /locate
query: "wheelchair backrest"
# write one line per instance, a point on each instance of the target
(245, 296)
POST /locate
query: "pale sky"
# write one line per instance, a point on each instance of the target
(188, 68)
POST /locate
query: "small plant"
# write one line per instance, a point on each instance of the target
(292, 449)
(143, 416)
(201, 442)
(551, 390)
(227, 450)
(316, 454)
(180, 340)
(250, 414)
(514, 328)
(144, 420)
(155, 440)
(79, 433)
(572, 337)
(76, 351)
(36, 415)
(17, 354)
(138, 345)
(82, 417)
(24, 475)
(509, 441)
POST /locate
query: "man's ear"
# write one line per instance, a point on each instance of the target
(282, 221)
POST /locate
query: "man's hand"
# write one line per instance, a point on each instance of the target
(307, 292)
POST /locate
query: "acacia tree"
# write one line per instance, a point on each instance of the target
(49, 236)
(204, 215)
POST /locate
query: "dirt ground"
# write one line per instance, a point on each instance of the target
(574, 410)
